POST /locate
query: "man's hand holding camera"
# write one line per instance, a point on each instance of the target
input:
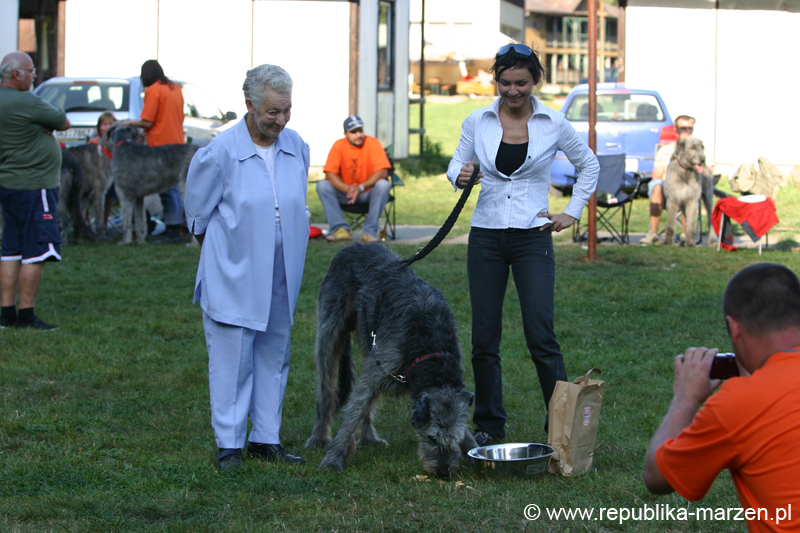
(692, 369)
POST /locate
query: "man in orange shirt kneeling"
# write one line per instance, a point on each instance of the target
(751, 425)
(355, 172)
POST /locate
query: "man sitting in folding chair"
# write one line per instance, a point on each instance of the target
(355, 172)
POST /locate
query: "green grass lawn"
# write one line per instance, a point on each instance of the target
(105, 421)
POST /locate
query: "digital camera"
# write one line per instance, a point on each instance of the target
(724, 366)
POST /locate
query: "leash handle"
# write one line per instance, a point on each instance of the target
(449, 223)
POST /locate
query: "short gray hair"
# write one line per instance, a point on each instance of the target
(11, 62)
(265, 77)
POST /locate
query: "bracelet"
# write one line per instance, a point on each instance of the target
(361, 187)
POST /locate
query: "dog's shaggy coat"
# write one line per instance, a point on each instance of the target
(682, 189)
(70, 216)
(138, 171)
(399, 319)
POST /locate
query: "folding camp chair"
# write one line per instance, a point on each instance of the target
(356, 214)
(616, 190)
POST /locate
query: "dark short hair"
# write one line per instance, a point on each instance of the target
(512, 59)
(152, 72)
(763, 298)
(684, 117)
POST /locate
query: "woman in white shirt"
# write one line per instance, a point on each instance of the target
(515, 140)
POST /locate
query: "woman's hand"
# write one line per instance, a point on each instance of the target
(558, 221)
(466, 174)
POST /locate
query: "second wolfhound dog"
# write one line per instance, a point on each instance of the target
(408, 338)
(138, 171)
(682, 188)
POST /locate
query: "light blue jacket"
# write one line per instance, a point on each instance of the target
(229, 197)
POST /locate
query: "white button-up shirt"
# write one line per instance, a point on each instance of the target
(514, 201)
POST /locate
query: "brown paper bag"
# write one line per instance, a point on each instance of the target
(574, 419)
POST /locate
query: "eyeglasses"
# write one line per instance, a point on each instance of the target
(521, 49)
(31, 70)
(688, 129)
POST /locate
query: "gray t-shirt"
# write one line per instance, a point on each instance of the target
(30, 159)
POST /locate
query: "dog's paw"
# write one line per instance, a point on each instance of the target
(333, 464)
(372, 441)
(316, 442)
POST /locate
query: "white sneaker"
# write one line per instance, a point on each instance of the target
(650, 238)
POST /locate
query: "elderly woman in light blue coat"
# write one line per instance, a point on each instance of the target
(245, 203)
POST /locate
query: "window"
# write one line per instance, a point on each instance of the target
(203, 105)
(87, 96)
(385, 44)
(618, 107)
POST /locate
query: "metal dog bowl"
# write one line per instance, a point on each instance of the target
(514, 459)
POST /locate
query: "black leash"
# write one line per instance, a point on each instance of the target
(448, 224)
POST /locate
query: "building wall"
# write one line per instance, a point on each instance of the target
(9, 14)
(732, 70)
(213, 43)
(512, 20)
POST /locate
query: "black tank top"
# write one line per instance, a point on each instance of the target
(510, 157)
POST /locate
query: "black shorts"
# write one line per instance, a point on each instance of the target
(30, 232)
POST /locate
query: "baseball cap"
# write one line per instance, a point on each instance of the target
(352, 122)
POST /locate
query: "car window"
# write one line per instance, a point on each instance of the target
(617, 107)
(188, 106)
(203, 105)
(87, 96)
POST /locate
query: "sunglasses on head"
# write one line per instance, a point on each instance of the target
(521, 49)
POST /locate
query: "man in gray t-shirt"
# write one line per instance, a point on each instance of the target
(30, 174)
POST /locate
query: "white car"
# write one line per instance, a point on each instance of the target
(85, 99)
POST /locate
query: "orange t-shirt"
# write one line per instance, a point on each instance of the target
(751, 427)
(354, 164)
(163, 106)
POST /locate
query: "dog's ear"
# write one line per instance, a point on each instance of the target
(680, 146)
(421, 413)
(469, 397)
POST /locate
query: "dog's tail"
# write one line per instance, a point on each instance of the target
(448, 224)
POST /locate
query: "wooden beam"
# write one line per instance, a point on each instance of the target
(61, 38)
(592, 233)
(352, 104)
(623, 5)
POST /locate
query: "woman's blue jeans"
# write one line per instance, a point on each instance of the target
(529, 254)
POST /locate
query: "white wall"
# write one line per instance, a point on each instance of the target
(311, 41)
(209, 44)
(9, 26)
(212, 43)
(733, 70)
(480, 41)
(401, 69)
(92, 48)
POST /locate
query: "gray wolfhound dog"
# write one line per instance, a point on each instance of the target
(408, 338)
(682, 189)
(138, 171)
(69, 200)
(95, 160)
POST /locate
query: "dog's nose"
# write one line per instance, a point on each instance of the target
(443, 473)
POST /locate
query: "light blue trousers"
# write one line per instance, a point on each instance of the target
(248, 370)
(331, 199)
